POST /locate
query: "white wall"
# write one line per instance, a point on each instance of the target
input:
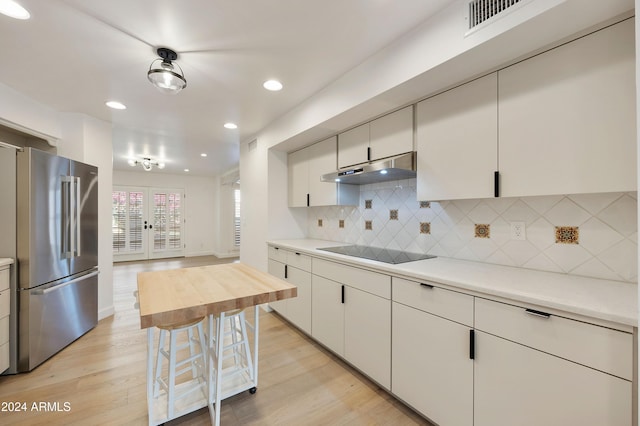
(202, 207)
(87, 139)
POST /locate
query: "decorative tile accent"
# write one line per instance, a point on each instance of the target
(567, 235)
(367, 204)
(320, 223)
(482, 231)
(368, 225)
(341, 223)
(425, 227)
(393, 214)
(425, 204)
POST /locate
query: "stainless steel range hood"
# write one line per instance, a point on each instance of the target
(392, 168)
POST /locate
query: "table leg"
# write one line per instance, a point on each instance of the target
(150, 377)
(256, 327)
(214, 402)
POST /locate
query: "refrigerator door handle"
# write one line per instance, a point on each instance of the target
(76, 248)
(65, 240)
(73, 281)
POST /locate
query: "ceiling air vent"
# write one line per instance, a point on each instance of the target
(481, 10)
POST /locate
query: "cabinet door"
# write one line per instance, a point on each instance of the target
(367, 334)
(327, 313)
(457, 142)
(392, 134)
(322, 159)
(298, 178)
(299, 308)
(431, 366)
(567, 118)
(276, 269)
(352, 146)
(516, 385)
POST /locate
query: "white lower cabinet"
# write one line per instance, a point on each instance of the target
(517, 385)
(327, 314)
(367, 334)
(431, 369)
(298, 309)
(354, 322)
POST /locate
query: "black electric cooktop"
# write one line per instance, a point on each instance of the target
(379, 254)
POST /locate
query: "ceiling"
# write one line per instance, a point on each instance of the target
(74, 55)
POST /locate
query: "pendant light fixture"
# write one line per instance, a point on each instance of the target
(163, 73)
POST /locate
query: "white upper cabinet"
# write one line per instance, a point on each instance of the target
(298, 178)
(456, 138)
(353, 146)
(305, 168)
(567, 118)
(392, 134)
(384, 137)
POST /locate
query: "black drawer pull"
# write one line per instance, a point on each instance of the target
(297, 254)
(472, 344)
(286, 272)
(426, 285)
(342, 290)
(537, 313)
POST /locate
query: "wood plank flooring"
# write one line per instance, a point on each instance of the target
(100, 379)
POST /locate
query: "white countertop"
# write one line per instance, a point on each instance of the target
(4, 261)
(614, 301)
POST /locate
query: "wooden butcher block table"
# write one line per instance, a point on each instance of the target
(178, 295)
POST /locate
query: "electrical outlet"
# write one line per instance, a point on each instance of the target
(518, 231)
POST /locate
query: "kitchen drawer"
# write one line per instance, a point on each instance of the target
(4, 303)
(278, 254)
(371, 282)
(4, 330)
(4, 278)
(4, 357)
(598, 347)
(299, 261)
(438, 301)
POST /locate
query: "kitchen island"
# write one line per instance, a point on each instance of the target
(179, 295)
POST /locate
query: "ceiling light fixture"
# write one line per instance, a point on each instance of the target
(203, 154)
(147, 163)
(13, 10)
(273, 85)
(230, 126)
(163, 74)
(115, 105)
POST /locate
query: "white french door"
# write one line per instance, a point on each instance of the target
(147, 223)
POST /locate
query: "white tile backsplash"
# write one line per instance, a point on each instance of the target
(608, 229)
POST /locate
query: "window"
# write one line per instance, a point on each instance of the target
(236, 218)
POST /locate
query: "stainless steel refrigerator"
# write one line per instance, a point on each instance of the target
(57, 254)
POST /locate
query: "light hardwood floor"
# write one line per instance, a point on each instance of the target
(101, 377)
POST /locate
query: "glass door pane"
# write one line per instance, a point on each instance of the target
(128, 223)
(167, 223)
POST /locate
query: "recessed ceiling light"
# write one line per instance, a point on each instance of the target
(115, 105)
(230, 125)
(203, 155)
(186, 170)
(13, 10)
(273, 85)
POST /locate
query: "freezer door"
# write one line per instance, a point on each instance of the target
(42, 219)
(83, 245)
(54, 315)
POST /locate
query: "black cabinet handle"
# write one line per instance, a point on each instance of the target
(537, 313)
(429, 286)
(286, 272)
(342, 290)
(368, 153)
(297, 254)
(308, 200)
(150, 226)
(472, 344)
(496, 184)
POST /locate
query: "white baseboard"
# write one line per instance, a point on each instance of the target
(226, 255)
(105, 312)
